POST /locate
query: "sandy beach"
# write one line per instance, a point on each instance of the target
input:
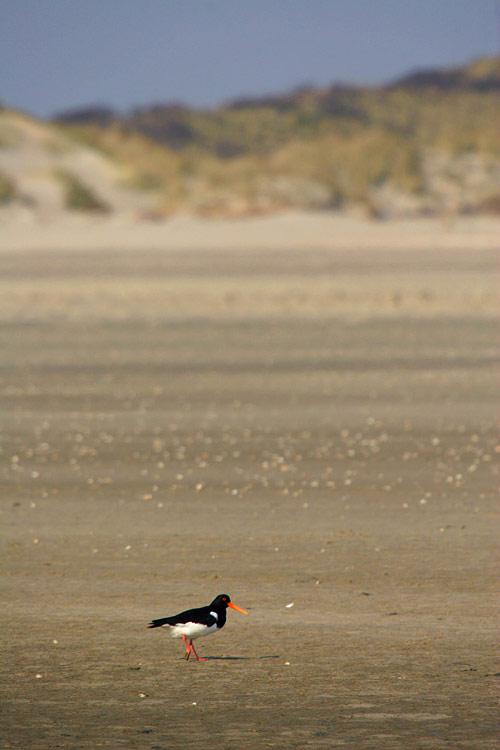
(286, 231)
(301, 412)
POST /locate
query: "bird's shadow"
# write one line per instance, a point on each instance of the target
(241, 658)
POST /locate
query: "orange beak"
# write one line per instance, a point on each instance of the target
(238, 609)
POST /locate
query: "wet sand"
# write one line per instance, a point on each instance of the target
(317, 429)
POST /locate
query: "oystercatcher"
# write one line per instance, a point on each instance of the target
(194, 623)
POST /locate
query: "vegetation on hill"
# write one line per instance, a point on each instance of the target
(7, 189)
(427, 143)
(79, 197)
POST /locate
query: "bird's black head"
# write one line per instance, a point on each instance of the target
(223, 600)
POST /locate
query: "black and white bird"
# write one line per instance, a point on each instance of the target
(195, 623)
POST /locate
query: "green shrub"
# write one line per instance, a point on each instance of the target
(79, 197)
(7, 189)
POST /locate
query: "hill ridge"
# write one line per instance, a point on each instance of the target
(427, 143)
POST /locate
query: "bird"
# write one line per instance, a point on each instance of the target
(195, 623)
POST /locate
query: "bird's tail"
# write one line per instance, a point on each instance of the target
(159, 623)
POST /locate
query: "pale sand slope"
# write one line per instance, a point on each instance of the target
(283, 231)
(294, 264)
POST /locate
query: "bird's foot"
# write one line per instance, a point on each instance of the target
(198, 658)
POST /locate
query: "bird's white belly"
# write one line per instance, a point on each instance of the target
(191, 630)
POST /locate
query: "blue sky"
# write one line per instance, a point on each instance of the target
(61, 54)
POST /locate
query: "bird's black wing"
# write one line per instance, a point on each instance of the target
(200, 614)
(160, 622)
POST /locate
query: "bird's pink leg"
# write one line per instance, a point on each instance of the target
(198, 658)
(189, 646)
